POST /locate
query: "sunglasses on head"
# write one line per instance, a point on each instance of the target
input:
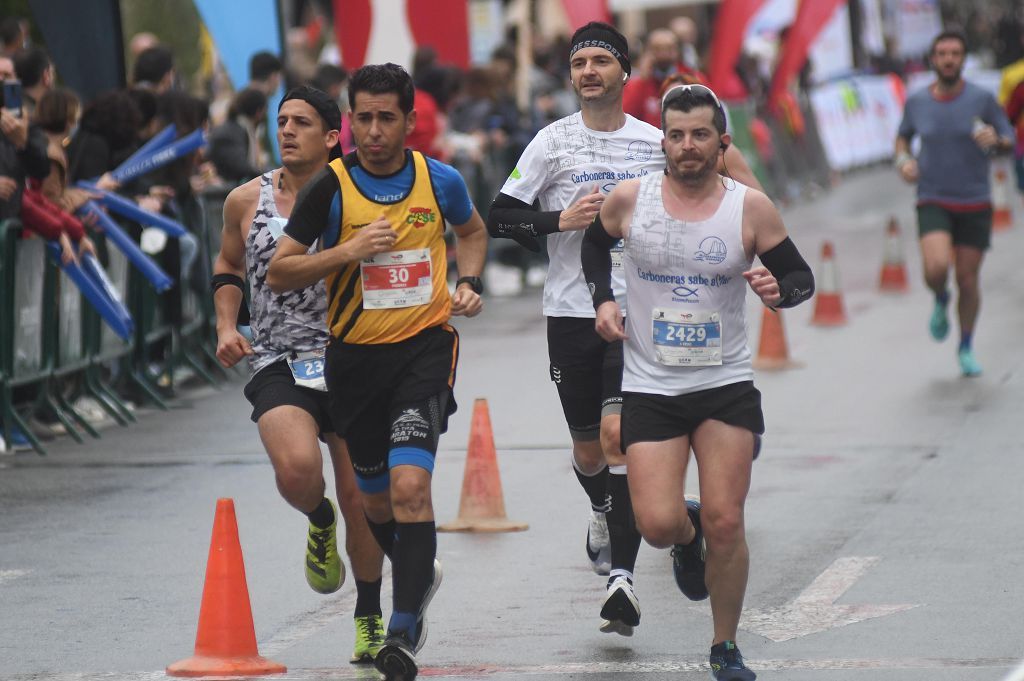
(696, 88)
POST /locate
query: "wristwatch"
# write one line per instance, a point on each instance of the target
(475, 283)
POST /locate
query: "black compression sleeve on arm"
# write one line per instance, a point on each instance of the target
(796, 282)
(596, 256)
(312, 208)
(510, 218)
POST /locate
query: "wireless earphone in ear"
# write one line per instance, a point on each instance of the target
(625, 77)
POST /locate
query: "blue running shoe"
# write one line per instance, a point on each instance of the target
(939, 323)
(727, 663)
(969, 365)
(688, 560)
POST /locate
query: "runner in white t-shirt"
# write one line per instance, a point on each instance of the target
(566, 171)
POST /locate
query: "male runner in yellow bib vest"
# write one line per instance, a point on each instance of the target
(390, 366)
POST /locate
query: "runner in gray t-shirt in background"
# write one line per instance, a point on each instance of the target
(960, 126)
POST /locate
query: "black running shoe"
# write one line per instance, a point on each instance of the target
(396, 660)
(727, 663)
(688, 560)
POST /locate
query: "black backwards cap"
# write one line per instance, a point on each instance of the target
(605, 36)
(322, 103)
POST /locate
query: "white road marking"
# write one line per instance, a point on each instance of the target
(1017, 674)
(11, 575)
(815, 609)
(692, 664)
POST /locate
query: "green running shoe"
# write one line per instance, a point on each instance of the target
(969, 365)
(369, 639)
(325, 572)
(938, 325)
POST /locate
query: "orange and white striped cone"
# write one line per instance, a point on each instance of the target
(1002, 208)
(772, 350)
(828, 305)
(894, 272)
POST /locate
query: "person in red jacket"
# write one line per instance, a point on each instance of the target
(641, 97)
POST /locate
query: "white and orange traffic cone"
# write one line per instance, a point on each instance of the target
(1002, 208)
(828, 300)
(894, 271)
(772, 351)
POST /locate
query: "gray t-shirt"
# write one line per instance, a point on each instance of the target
(953, 169)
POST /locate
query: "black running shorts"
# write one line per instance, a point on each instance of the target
(967, 228)
(273, 386)
(392, 399)
(656, 418)
(587, 371)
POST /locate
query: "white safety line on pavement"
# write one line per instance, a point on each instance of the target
(583, 668)
(11, 575)
(1017, 674)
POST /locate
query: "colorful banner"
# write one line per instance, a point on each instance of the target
(378, 31)
(811, 18)
(726, 44)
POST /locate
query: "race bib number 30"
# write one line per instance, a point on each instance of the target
(397, 279)
(308, 369)
(684, 338)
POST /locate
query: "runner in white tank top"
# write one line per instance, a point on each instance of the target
(690, 239)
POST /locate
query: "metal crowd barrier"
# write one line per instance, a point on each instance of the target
(54, 347)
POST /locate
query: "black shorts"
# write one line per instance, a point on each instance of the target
(968, 227)
(391, 402)
(656, 418)
(587, 371)
(273, 386)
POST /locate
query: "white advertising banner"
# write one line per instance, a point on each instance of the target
(858, 119)
(831, 53)
(917, 24)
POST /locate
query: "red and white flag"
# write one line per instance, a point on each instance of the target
(378, 31)
(811, 18)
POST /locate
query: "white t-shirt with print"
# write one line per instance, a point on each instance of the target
(563, 163)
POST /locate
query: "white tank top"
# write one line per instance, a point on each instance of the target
(686, 323)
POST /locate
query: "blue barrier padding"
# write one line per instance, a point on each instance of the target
(111, 310)
(131, 210)
(161, 157)
(161, 280)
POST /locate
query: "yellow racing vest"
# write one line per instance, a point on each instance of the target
(394, 295)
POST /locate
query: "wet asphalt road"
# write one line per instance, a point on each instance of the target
(887, 481)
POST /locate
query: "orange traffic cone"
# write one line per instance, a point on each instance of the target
(828, 303)
(1002, 210)
(894, 272)
(772, 353)
(226, 639)
(482, 506)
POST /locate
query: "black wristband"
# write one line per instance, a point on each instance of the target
(218, 280)
(475, 283)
